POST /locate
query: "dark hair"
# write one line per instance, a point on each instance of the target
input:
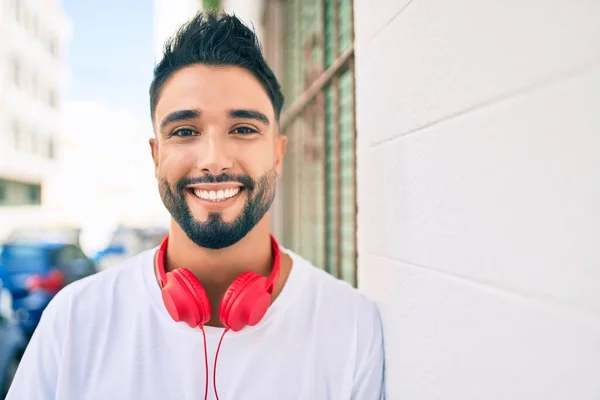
(213, 39)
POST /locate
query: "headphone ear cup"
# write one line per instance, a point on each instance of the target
(245, 302)
(185, 298)
(199, 295)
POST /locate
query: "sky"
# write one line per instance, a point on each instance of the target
(110, 55)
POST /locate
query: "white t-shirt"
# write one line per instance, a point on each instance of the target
(110, 337)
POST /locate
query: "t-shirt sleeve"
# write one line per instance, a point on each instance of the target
(37, 373)
(369, 381)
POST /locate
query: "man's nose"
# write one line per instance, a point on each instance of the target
(216, 158)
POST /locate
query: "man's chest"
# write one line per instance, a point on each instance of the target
(259, 382)
(261, 369)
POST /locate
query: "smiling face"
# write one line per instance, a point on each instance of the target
(217, 152)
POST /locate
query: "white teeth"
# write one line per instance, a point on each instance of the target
(219, 195)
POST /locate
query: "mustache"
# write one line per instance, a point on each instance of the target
(221, 178)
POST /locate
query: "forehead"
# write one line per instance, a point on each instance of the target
(212, 89)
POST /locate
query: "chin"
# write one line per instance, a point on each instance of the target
(203, 216)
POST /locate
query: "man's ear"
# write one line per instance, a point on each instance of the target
(280, 148)
(154, 150)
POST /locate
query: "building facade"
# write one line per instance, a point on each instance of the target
(32, 67)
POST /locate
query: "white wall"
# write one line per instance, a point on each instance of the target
(479, 192)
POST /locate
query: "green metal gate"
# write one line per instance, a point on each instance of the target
(319, 182)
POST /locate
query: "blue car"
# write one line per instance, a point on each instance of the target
(12, 342)
(33, 272)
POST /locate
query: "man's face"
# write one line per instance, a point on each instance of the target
(217, 152)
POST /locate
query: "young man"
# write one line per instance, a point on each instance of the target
(219, 287)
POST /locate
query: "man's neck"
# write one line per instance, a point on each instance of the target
(216, 269)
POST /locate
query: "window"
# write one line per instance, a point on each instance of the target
(15, 71)
(18, 9)
(39, 145)
(51, 150)
(34, 89)
(34, 142)
(15, 193)
(16, 132)
(25, 140)
(53, 47)
(319, 186)
(34, 26)
(73, 263)
(52, 98)
(64, 256)
(2, 192)
(35, 194)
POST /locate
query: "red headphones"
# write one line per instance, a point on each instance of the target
(245, 302)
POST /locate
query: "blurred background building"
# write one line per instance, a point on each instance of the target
(104, 179)
(33, 35)
(79, 166)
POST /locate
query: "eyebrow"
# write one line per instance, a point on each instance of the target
(249, 114)
(182, 115)
(179, 115)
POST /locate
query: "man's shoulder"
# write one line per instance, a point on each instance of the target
(334, 291)
(107, 283)
(352, 318)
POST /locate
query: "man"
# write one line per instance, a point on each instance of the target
(219, 310)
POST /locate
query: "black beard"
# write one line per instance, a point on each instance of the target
(215, 233)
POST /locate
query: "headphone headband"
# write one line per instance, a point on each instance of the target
(271, 280)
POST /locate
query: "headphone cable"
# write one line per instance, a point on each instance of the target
(215, 366)
(205, 364)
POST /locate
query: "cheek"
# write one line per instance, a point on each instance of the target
(175, 163)
(257, 160)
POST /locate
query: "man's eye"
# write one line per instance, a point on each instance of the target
(184, 132)
(244, 130)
